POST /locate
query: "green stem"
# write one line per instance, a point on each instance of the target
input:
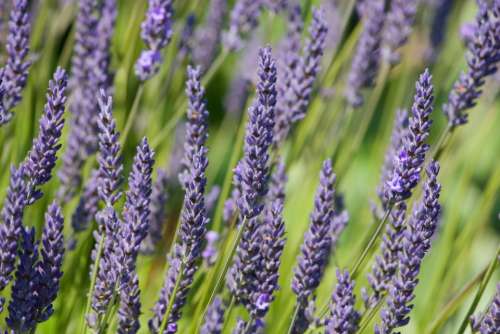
(133, 113)
(364, 322)
(83, 326)
(454, 303)
(171, 300)
(229, 311)
(442, 142)
(368, 245)
(479, 294)
(294, 318)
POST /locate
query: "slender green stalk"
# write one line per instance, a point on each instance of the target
(100, 248)
(294, 318)
(480, 291)
(369, 244)
(442, 142)
(449, 309)
(365, 321)
(133, 114)
(229, 311)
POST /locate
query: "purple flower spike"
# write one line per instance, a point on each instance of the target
(214, 319)
(415, 245)
(110, 166)
(410, 159)
(210, 252)
(398, 27)
(130, 307)
(15, 72)
(157, 207)
(316, 249)
(136, 210)
(22, 307)
(309, 65)
(88, 204)
(50, 264)
(386, 264)
(41, 160)
(289, 61)
(11, 228)
(207, 37)
(188, 250)
(484, 54)
(156, 33)
(490, 321)
(243, 20)
(344, 319)
(366, 61)
(197, 114)
(399, 131)
(252, 171)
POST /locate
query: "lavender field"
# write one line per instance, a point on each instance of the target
(250, 166)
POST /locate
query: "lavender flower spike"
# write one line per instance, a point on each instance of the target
(289, 61)
(187, 251)
(243, 20)
(207, 37)
(484, 54)
(15, 72)
(252, 171)
(156, 33)
(22, 307)
(197, 114)
(398, 27)
(87, 205)
(41, 160)
(50, 264)
(309, 65)
(315, 251)
(344, 319)
(366, 61)
(214, 319)
(110, 166)
(411, 157)
(490, 322)
(415, 245)
(12, 225)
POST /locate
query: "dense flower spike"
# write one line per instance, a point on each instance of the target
(490, 321)
(398, 27)
(208, 36)
(484, 54)
(15, 72)
(289, 61)
(157, 207)
(252, 171)
(188, 250)
(243, 20)
(411, 156)
(90, 72)
(399, 130)
(214, 319)
(108, 157)
(309, 66)
(137, 210)
(366, 59)
(315, 251)
(130, 307)
(23, 305)
(386, 264)
(12, 225)
(197, 115)
(442, 11)
(344, 319)
(110, 264)
(415, 245)
(49, 268)
(156, 32)
(41, 159)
